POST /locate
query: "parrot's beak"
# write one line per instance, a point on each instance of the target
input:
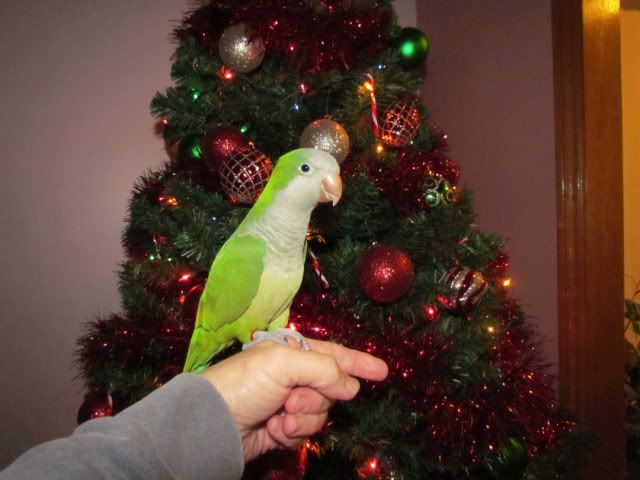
(331, 189)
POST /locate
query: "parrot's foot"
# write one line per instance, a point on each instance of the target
(280, 336)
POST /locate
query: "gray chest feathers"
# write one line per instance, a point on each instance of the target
(285, 231)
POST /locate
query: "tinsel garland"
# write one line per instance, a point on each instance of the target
(458, 428)
(334, 35)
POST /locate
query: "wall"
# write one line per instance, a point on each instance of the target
(630, 46)
(75, 132)
(490, 87)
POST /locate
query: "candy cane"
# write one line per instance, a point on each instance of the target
(370, 86)
(315, 263)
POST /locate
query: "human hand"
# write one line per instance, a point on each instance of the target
(278, 395)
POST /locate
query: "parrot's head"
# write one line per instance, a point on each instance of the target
(306, 177)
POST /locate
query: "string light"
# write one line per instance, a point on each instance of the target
(168, 200)
(431, 312)
(195, 94)
(226, 74)
(185, 277)
(196, 151)
(304, 88)
(506, 283)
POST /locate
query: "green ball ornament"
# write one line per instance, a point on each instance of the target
(438, 191)
(413, 47)
(510, 463)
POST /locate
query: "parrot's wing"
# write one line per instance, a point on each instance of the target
(233, 282)
(232, 285)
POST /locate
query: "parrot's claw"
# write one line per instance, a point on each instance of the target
(279, 336)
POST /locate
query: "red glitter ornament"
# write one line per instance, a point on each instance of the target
(219, 142)
(385, 273)
(244, 174)
(95, 405)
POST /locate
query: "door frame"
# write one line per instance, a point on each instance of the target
(586, 51)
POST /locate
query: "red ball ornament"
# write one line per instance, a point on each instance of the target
(385, 273)
(95, 405)
(400, 123)
(219, 142)
(244, 174)
(461, 288)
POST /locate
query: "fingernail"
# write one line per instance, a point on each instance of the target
(354, 386)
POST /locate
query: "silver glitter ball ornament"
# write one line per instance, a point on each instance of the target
(238, 51)
(326, 135)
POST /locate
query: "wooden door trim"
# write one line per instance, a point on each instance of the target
(586, 46)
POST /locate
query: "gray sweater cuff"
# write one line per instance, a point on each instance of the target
(192, 429)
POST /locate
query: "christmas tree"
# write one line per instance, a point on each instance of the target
(397, 268)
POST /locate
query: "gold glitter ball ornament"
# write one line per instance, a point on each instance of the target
(326, 135)
(238, 51)
(400, 124)
(244, 174)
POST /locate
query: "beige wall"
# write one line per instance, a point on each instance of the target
(630, 45)
(75, 132)
(490, 86)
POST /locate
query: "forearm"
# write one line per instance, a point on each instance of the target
(182, 430)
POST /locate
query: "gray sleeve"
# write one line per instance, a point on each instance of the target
(183, 430)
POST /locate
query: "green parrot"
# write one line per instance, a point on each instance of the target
(258, 270)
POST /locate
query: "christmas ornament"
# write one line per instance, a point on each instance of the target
(462, 288)
(413, 47)
(400, 123)
(326, 135)
(95, 405)
(234, 293)
(439, 192)
(244, 174)
(239, 50)
(511, 461)
(385, 273)
(219, 142)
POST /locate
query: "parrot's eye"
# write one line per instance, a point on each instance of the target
(304, 168)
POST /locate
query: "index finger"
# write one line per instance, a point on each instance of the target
(353, 362)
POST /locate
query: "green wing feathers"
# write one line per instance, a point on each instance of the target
(231, 287)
